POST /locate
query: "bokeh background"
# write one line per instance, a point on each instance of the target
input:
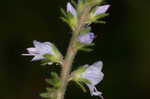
(123, 44)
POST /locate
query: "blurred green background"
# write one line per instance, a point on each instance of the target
(123, 44)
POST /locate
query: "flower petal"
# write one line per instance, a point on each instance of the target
(71, 9)
(38, 57)
(94, 73)
(43, 48)
(101, 9)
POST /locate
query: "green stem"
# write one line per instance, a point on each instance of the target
(71, 52)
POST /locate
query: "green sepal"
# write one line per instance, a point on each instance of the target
(102, 22)
(45, 95)
(95, 18)
(74, 3)
(85, 30)
(101, 15)
(49, 94)
(69, 19)
(57, 58)
(76, 76)
(81, 70)
(86, 49)
(65, 20)
(96, 2)
(72, 20)
(63, 12)
(55, 81)
(81, 86)
(80, 7)
(51, 58)
(84, 80)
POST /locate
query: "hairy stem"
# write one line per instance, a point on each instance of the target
(71, 52)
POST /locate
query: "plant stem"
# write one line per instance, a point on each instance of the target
(71, 52)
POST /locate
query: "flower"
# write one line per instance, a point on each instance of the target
(39, 50)
(95, 75)
(101, 10)
(86, 38)
(71, 9)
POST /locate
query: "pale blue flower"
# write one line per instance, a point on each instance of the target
(95, 75)
(101, 9)
(39, 50)
(86, 38)
(71, 9)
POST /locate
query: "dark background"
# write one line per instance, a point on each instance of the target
(123, 44)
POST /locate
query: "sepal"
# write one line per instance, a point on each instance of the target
(57, 58)
(94, 19)
(76, 77)
(51, 92)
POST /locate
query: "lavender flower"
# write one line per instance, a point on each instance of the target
(101, 9)
(95, 75)
(71, 9)
(39, 50)
(86, 38)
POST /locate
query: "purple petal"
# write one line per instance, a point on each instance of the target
(94, 73)
(32, 51)
(101, 9)
(71, 9)
(43, 48)
(38, 57)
